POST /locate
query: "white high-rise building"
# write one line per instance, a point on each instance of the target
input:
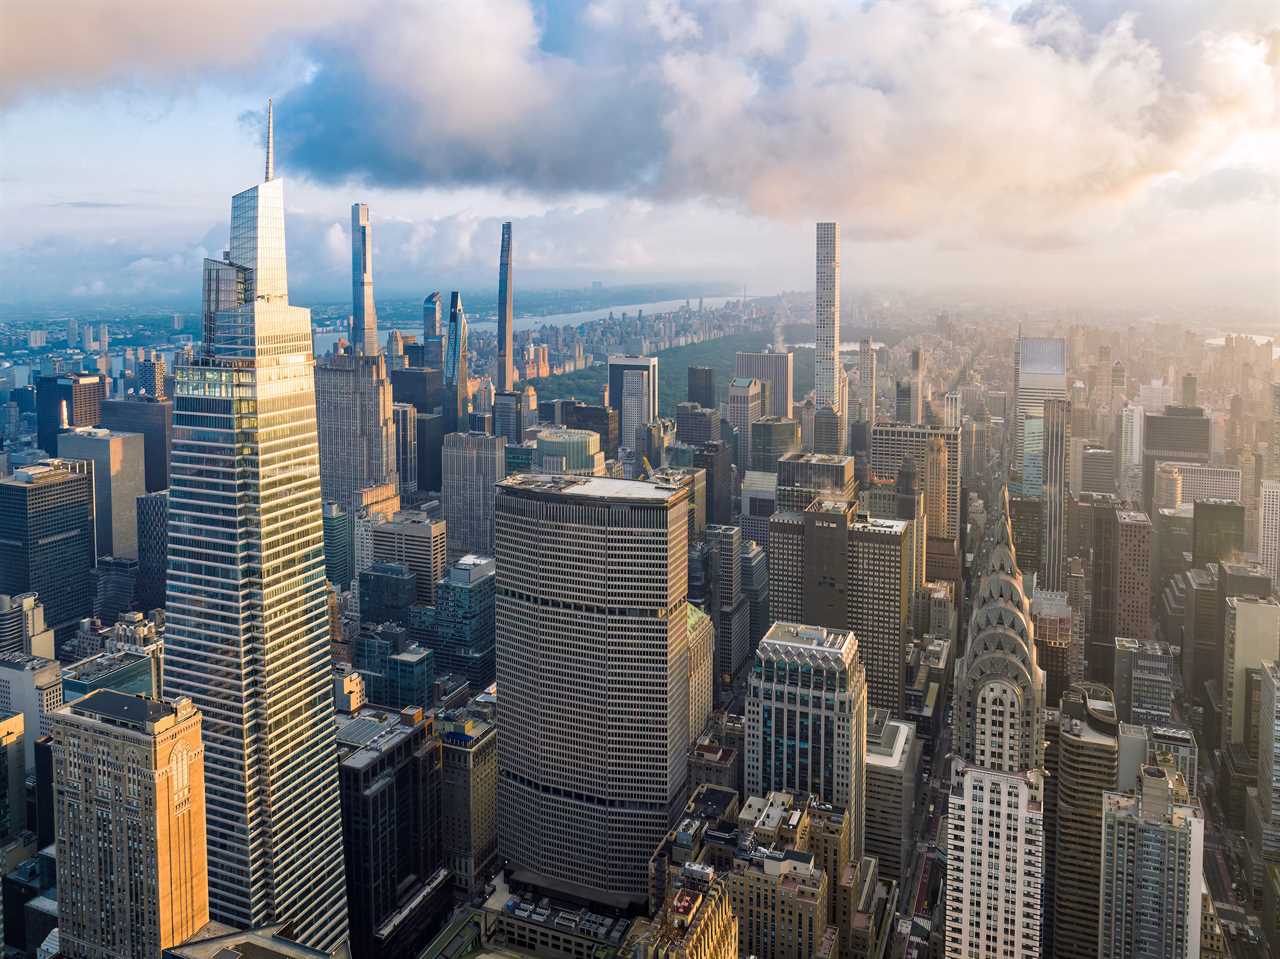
(806, 723)
(364, 317)
(1269, 528)
(746, 405)
(995, 820)
(1199, 481)
(636, 411)
(951, 410)
(1149, 896)
(1039, 374)
(593, 663)
(246, 617)
(828, 376)
(867, 380)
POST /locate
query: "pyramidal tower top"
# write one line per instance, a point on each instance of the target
(271, 145)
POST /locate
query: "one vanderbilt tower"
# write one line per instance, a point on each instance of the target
(247, 636)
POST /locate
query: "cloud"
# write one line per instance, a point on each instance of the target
(79, 44)
(649, 131)
(91, 205)
(943, 118)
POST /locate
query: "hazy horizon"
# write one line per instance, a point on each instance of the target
(1086, 153)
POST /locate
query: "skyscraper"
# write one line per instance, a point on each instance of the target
(1039, 373)
(776, 370)
(1181, 434)
(995, 824)
(1269, 528)
(153, 418)
(637, 412)
(702, 387)
(118, 481)
(937, 506)
(1152, 869)
(890, 442)
(471, 464)
(1088, 766)
(1217, 531)
(405, 420)
(415, 539)
(505, 380)
(129, 796)
(462, 633)
(151, 376)
(806, 720)
(618, 368)
(1057, 469)
(246, 462)
(354, 402)
(364, 317)
(1133, 575)
(830, 566)
(66, 401)
(433, 340)
(827, 372)
(913, 389)
(390, 772)
(746, 405)
(585, 565)
(867, 380)
(456, 378)
(47, 532)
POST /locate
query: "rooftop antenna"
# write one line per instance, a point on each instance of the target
(271, 144)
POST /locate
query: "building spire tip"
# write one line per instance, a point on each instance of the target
(271, 144)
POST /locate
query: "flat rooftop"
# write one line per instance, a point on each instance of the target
(369, 733)
(134, 710)
(592, 487)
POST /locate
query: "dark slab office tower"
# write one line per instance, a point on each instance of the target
(47, 532)
(1217, 531)
(390, 774)
(702, 386)
(153, 418)
(80, 393)
(506, 315)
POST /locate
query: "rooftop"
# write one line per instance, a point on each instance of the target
(372, 731)
(811, 637)
(133, 711)
(592, 487)
(102, 664)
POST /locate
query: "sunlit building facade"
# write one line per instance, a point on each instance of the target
(247, 628)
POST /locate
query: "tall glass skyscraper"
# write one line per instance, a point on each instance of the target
(247, 630)
(506, 373)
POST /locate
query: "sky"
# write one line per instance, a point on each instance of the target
(1063, 150)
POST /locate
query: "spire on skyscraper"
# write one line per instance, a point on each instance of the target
(271, 145)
